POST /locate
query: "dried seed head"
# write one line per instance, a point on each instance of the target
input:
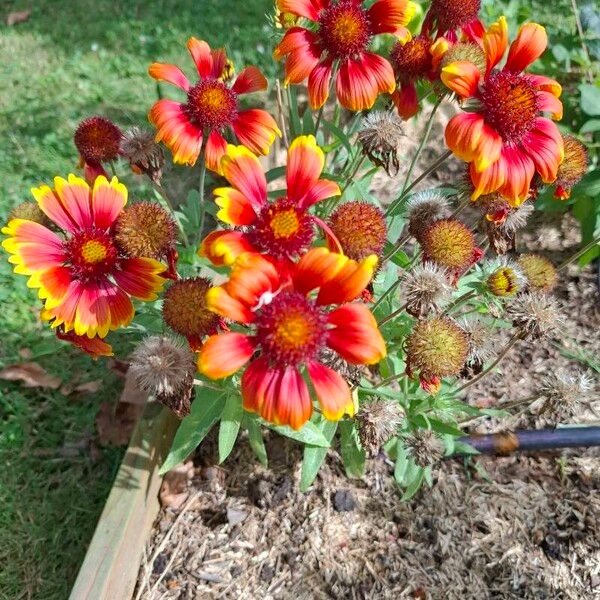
(145, 229)
(377, 422)
(572, 168)
(505, 279)
(481, 345)
(502, 221)
(163, 368)
(426, 288)
(539, 272)
(437, 347)
(351, 373)
(536, 314)
(30, 211)
(423, 208)
(360, 228)
(98, 140)
(465, 51)
(184, 309)
(142, 152)
(380, 139)
(564, 393)
(449, 243)
(424, 447)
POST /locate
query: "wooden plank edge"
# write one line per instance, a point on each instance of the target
(111, 564)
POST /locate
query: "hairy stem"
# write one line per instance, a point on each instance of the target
(577, 255)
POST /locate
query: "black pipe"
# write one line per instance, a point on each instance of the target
(528, 440)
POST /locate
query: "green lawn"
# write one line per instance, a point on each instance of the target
(68, 61)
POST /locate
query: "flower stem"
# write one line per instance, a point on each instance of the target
(201, 158)
(459, 301)
(385, 294)
(577, 255)
(392, 315)
(513, 340)
(163, 193)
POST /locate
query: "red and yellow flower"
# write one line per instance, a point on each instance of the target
(343, 32)
(506, 137)
(286, 328)
(283, 228)
(211, 107)
(85, 282)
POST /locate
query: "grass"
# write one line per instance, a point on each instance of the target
(68, 61)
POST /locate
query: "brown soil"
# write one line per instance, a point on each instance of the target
(522, 527)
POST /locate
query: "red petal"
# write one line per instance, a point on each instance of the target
(201, 55)
(463, 134)
(332, 391)
(303, 8)
(170, 74)
(355, 89)
(406, 101)
(256, 129)
(216, 147)
(528, 46)
(318, 84)
(250, 80)
(224, 354)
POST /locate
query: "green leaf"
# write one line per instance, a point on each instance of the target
(308, 126)
(206, 410)
(256, 439)
(444, 428)
(401, 462)
(231, 420)
(337, 133)
(309, 434)
(315, 455)
(295, 125)
(590, 126)
(415, 484)
(352, 453)
(590, 99)
(274, 173)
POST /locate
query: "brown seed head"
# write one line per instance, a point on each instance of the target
(426, 287)
(142, 152)
(377, 422)
(425, 447)
(536, 314)
(98, 140)
(423, 208)
(449, 243)
(573, 167)
(380, 139)
(30, 211)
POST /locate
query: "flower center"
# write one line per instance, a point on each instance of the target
(211, 105)
(290, 329)
(344, 29)
(91, 254)
(453, 14)
(282, 230)
(413, 59)
(511, 105)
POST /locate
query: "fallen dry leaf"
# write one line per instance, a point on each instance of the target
(14, 18)
(173, 491)
(31, 375)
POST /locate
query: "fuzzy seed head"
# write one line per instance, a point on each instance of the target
(466, 51)
(29, 211)
(98, 140)
(360, 228)
(539, 272)
(536, 314)
(424, 447)
(163, 368)
(449, 243)
(377, 422)
(481, 345)
(564, 393)
(437, 347)
(423, 208)
(142, 152)
(380, 139)
(426, 288)
(145, 229)
(572, 168)
(184, 308)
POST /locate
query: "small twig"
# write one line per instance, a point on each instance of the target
(577, 255)
(392, 315)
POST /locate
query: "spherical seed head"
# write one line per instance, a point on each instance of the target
(572, 168)
(184, 308)
(449, 243)
(98, 140)
(423, 208)
(29, 211)
(412, 59)
(481, 345)
(426, 287)
(536, 314)
(142, 152)
(360, 228)
(451, 15)
(377, 422)
(564, 393)
(165, 369)
(437, 347)
(539, 272)
(145, 229)
(380, 139)
(465, 51)
(424, 447)
(505, 279)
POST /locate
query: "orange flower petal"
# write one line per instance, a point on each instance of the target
(390, 16)
(463, 134)
(318, 84)
(380, 70)
(406, 101)
(461, 77)
(170, 74)
(139, 277)
(223, 247)
(252, 276)
(53, 208)
(74, 194)
(489, 180)
(108, 200)
(305, 161)
(332, 391)
(528, 46)
(250, 80)
(548, 102)
(541, 82)
(244, 172)
(355, 88)
(54, 284)
(303, 8)
(349, 282)
(520, 170)
(495, 41)
(355, 336)
(302, 54)
(294, 407)
(236, 209)
(316, 267)
(488, 148)
(256, 129)
(201, 55)
(219, 301)
(544, 145)
(224, 354)
(216, 147)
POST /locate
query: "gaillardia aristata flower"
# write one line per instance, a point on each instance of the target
(343, 30)
(449, 17)
(506, 136)
(85, 281)
(211, 107)
(287, 327)
(283, 228)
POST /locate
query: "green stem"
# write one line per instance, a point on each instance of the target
(163, 193)
(579, 254)
(459, 301)
(385, 295)
(392, 315)
(201, 158)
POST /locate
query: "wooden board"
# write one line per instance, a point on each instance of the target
(111, 564)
